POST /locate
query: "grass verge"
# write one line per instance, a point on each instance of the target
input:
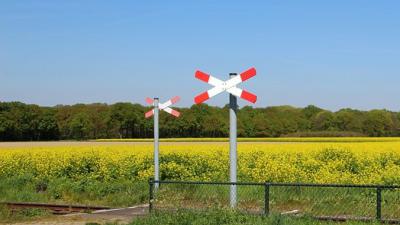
(116, 193)
(7, 216)
(219, 217)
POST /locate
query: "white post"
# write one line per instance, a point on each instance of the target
(233, 146)
(156, 143)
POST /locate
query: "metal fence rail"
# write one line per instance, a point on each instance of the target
(323, 201)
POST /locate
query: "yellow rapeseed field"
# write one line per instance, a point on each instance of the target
(319, 162)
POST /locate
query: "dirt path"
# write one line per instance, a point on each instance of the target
(121, 216)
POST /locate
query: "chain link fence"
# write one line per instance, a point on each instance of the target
(321, 201)
(173, 195)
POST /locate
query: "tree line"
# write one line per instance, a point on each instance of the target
(26, 122)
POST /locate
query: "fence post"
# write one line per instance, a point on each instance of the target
(379, 203)
(266, 198)
(151, 194)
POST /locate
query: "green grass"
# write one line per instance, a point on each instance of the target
(115, 193)
(288, 139)
(311, 201)
(120, 193)
(27, 188)
(7, 216)
(219, 217)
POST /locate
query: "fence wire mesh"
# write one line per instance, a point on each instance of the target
(391, 204)
(329, 201)
(324, 202)
(172, 196)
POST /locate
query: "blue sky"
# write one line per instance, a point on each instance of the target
(333, 54)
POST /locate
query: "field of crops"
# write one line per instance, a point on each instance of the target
(116, 174)
(360, 162)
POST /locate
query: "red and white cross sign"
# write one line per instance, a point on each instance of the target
(164, 106)
(228, 86)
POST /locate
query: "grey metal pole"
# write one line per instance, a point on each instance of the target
(156, 143)
(233, 145)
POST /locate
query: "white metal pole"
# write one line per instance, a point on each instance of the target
(156, 143)
(233, 146)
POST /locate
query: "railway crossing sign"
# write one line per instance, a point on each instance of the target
(230, 87)
(155, 112)
(164, 106)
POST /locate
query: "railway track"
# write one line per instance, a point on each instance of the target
(54, 208)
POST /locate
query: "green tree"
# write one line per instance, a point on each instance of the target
(323, 121)
(349, 120)
(125, 117)
(19, 121)
(48, 128)
(80, 126)
(311, 111)
(378, 123)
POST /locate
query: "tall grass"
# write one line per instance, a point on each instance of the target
(118, 193)
(8, 216)
(219, 217)
(311, 201)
